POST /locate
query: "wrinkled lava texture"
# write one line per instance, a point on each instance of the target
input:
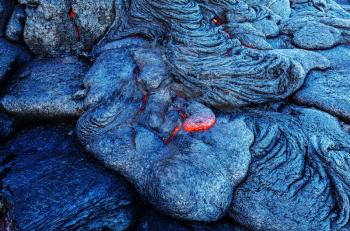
(175, 115)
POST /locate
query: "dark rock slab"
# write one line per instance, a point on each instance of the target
(46, 88)
(329, 90)
(10, 57)
(7, 221)
(152, 220)
(55, 186)
(15, 26)
(7, 126)
(6, 7)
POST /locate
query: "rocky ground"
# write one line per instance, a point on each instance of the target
(164, 115)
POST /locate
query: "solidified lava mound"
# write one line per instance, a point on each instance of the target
(174, 115)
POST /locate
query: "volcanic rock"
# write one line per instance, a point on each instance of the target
(61, 27)
(55, 186)
(10, 57)
(327, 22)
(152, 220)
(7, 126)
(177, 178)
(299, 173)
(15, 26)
(144, 139)
(329, 90)
(190, 102)
(6, 8)
(46, 88)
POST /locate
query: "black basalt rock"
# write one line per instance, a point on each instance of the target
(7, 126)
(151, 220)
(6, 8)
(15, 26)
(56, 186)
(11, 56)
(46, 89)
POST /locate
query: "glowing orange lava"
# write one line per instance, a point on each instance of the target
(217, 21)
(173, 134)
(199, 123)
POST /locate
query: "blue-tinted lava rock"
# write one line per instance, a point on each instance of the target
(11, 56)
(56, 186)
(179, 97)
(151, 220)
(46, 88)
(329, 90)
(7, 126)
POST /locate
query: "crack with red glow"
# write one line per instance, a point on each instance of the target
(72, 17)
(218, 22)
(199, 123)
(190, 124)
(144, 102)
(172, 136)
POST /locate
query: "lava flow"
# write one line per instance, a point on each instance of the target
(199, 123)
(173, 134)
(217, 22)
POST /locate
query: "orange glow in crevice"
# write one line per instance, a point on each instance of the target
(173, 134)
(216, 21)
(199, 123)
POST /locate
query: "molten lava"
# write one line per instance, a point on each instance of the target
(173, 134)
(144, 102)
(217, 21)
(198, 123)
(72, 16)
(183, 116)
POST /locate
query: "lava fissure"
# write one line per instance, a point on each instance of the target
(72, 16)
(192, 123)
(219, 22)
(172, 136)
(144, 102)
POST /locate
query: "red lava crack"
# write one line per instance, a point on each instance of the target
(72, 17)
